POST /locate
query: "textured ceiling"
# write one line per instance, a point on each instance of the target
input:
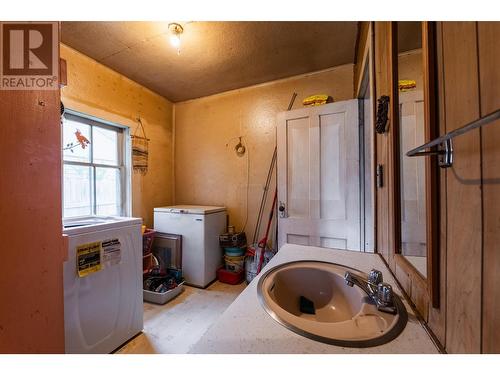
(215, 56)
(409, 36)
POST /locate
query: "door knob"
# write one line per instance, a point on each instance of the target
(282, 210)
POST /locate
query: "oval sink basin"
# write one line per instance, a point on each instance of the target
(312, 299)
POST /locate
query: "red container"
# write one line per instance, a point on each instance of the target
(229, 277)
(147, 241)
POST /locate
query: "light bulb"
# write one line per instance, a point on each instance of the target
(175, 36)
(175, 40)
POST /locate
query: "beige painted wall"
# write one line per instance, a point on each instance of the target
(99, 91)
(209, 172)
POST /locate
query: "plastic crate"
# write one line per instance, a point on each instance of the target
(162, 298)
(147, 241)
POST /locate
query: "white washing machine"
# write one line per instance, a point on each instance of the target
(200, 227)
(102, 283)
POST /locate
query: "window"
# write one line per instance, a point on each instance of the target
(94, 169)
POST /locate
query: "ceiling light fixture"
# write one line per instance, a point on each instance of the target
(175, 35)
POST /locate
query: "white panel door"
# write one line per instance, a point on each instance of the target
(318, 176)
(413, 208)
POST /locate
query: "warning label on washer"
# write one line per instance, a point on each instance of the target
(112, 253)
(88, 258)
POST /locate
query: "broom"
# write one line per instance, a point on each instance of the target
(263, 242)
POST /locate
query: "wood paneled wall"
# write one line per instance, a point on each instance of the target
(463, 193)
(31, 273)
(488, 36)
(468, 71)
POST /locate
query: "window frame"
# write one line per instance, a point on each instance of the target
(123, 165)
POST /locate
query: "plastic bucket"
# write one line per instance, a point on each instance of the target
(235, 251)
(250, 269)
(234, 264)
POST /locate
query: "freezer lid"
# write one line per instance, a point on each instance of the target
(190, 209)
(87, 224)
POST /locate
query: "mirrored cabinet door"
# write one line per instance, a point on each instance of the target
(412, 173)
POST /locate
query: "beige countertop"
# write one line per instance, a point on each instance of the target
(245, 327)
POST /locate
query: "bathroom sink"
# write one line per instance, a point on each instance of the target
(311, 298)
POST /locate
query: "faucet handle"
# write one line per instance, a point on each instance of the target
(385, 293)
(375, 277)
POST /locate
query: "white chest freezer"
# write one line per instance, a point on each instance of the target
(200, 227)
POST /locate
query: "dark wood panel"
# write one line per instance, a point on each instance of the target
(489, 68)
(362, 43)
(382, 88)
(437, 316)
(463, 313)
(393, 163)
(431, 165)
(385, 84)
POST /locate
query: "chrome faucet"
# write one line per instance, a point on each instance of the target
(379, 292)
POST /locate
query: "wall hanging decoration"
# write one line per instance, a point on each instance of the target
(240, 148)
(382, 114)
(80, 139)
(140, 151)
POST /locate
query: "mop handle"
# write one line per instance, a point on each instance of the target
(263, 242)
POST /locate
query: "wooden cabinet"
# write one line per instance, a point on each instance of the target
(418, 288)
(467, 319)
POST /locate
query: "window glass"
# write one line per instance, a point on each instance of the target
(75, 137)
(77, 190)
(93, 168)
(105, 144)
(108, 191)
